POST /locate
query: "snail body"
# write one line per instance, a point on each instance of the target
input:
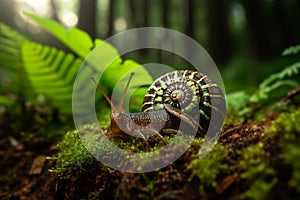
(179, 96)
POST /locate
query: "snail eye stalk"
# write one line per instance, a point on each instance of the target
(113, 107)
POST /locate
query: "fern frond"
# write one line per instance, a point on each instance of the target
(276, 81)
(77, 40)
(51, 72)
(11, 64)
(290, 71)
(291, 50)
(9, 33)
(10, 46)
(33, 69)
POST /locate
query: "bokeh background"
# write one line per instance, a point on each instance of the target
(244, 37)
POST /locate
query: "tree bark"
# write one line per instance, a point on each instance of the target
(189, 17)
(165, 57)
(165, 13)
(283, 28)
(87, 16)
(111, 18)
(133, 13)
(54, 17)
(257, 29)
(219, 37)
(146, 13)
(139, 18)
(139, 12)
(296, 22)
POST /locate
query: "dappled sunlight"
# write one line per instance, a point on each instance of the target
(120, 24)
(64, 9)
(68, 18)
(38, 7)
(37, 4)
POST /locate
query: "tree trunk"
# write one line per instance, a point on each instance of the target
(111, 19)
(257, 28)
(133, 13)
(165, 13)
(294, 21)
(139, 18)
(54, 17)
(87, 16)
(219, 37)
(283, 28)
(146, 13)
(139, 12)
(165, 57)
(189, 17)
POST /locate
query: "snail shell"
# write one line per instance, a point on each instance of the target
(192, 92)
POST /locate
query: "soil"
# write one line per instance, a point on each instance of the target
(24, 171)
(25, 175)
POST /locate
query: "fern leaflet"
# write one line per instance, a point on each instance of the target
(291, 50)
(51, 72)
(276, 81)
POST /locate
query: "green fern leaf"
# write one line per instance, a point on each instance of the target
(35, 69)
(276, 81)
(291, 50)
(10, 33)
(11, 64)
(51, 72)
(103, 55)
(289, 71)
(10, 46)
(77, 40)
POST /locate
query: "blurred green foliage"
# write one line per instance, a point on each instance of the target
(241, 105)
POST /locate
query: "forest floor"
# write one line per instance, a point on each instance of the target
(25, 172)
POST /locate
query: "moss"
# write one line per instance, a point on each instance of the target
(286, 126)
(249, 159)
(286, 131)
(72, 155)
(291, 155)
(149, 188)
(256, 172)
(207, 169)
(78, 152)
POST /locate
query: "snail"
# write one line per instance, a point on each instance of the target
(179, 96)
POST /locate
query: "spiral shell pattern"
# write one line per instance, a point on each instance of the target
(192, 92)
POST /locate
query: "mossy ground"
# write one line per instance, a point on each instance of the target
(251, 161)
(257, 160)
